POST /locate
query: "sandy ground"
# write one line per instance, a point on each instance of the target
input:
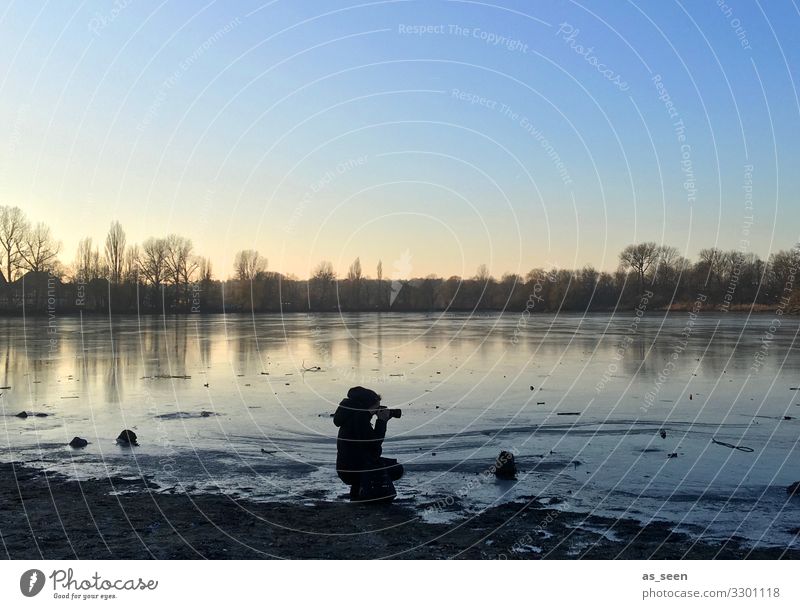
(47, 516)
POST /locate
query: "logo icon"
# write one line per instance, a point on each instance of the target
(31, 582)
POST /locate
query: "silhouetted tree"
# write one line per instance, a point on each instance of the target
(38, 250)
(640, 258)
(130, 267)
(248, 265)
(115, 252)
(87, 262)
(153, 261)
(322, 283)
(13, 226)
(354, 278)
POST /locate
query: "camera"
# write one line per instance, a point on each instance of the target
(395, 413)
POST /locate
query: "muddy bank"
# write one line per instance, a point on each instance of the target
(48, 516)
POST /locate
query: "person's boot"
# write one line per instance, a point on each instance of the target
(375, 487)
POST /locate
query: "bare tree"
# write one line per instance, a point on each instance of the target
(380, 291)
(711, 261)
(324, 272)
(781, 270)
(249, 265)
(482, 274)
(354, 276)
(13, 227)
(322, 279)
(354, 272)
(38, 250)
(180, 263)
(640, 258)
(178, 257)
(204, 269)
(115, 251)
(667, 258)
(189, 269)
(153, 263)
(87, 261)
(131, 265)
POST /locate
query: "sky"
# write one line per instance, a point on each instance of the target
(432, 135)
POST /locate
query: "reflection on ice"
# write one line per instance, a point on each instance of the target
(242, 405)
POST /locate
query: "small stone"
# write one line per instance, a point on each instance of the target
(505, 467)
(77, 442)
(127, 438)
(21, 415)
(794, 488)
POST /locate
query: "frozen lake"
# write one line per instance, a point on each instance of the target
(580, 400)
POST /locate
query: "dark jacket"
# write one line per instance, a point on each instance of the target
(359, 444)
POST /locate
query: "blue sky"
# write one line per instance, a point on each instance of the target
(449, 134)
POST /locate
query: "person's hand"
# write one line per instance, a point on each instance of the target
(383, 414)
(375, 408)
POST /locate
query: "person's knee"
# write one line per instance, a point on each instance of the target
(396, 472)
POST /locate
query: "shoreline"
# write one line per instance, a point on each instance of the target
(758, 310)
(48, 516)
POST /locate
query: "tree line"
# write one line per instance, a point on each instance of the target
(166, 274)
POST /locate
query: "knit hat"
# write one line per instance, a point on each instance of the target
(363, 398)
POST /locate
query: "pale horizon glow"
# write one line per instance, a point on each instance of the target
(329, 131)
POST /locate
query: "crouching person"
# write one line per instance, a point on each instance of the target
(359, 446)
